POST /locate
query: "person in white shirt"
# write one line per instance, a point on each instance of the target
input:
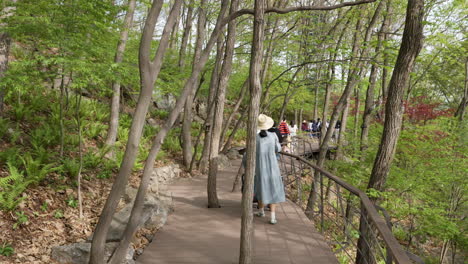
(293, 129)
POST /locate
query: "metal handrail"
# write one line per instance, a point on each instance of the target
(394, 248)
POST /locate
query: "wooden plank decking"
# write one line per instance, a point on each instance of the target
(196, 234)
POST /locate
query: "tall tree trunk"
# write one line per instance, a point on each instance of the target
(185, 37)
(386, 58)
(115, 104)
(369, 103)
(161, 135)
(219, 110)
(209, 110)
(246, 252)
(149, 70)
(187, 123)
(411, 45)
(5, 43)
(464, 102)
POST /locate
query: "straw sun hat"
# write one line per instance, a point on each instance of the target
(264, 122)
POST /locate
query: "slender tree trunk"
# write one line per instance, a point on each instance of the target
(410, 47)
(61, 114)
(228, 143)
(357, 105)
(316, 91)
(219, 110)
(115, 104)
(211, 98)
(80, 151)
(295, 117)
(187, 124)
(289, 94)
(185, 37)
(246, 251)
(5, 43)
(344, 127)
(300, 118)
(148, 74)
(386, 58)
(175, 30)
(234, 111)
(369, 104)
(464, 102)
(161, 135)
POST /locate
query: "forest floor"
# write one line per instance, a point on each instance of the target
(53, 220)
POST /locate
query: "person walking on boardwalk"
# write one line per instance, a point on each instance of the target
(268, 185)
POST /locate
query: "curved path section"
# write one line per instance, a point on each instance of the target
(196, 234)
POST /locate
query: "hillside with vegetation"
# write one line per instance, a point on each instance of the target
(95, 94)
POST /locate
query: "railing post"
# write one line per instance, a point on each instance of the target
(322, 209)
(363, 254)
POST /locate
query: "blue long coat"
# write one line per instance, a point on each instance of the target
(268, 186)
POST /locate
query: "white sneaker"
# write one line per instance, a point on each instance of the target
(260, 214)
(273, 221)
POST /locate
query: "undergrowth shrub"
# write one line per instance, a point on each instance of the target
(70, 167)
(35, 170)
(11, 188)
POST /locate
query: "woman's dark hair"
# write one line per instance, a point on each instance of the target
(263, 133)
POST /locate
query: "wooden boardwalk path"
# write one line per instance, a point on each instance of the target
(196, 234)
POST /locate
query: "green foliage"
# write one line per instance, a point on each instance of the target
(44, 206)
(21, 219)
(172, 143)
(6, 250)
(72, 202)
(36, 171)
(9, 156)
(11, 187)
(70, 167)
(58, 214)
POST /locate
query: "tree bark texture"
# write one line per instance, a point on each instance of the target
(203, 164)
(464, 102)
(187, 123)
(369, 103)
(5, 43)
(219, 110)
(115, 103)
(185, 37)
(411, 45)
(149, 71)
(246, 251)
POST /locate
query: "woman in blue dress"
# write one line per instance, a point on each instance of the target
(268, 187)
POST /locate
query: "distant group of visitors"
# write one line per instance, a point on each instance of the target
(314, 128)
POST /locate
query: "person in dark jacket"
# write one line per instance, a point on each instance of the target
(276, 130)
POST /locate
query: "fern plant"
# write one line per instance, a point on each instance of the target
(11, 188)
(35, 170)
